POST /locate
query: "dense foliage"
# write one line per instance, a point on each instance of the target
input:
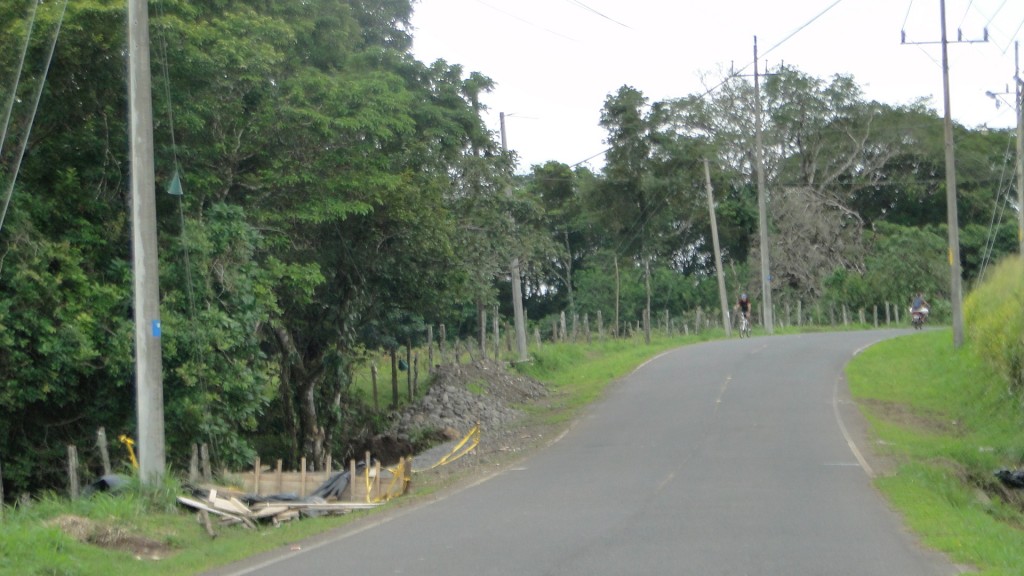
(340, 195)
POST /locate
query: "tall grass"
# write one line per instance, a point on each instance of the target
(994, 316)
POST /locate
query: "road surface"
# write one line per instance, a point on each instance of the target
(735, 457)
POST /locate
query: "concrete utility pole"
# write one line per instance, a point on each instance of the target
(1020, 146)
(1018, 104)
(148, 363)
(718, 253)
(762, 206)
(953, 222)
(517, 282)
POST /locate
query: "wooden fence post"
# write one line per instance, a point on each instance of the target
(536, 337)
(430, 348)
(586, 327)
(876, 316)
(394, 379)
(373, 379)
(561, 326)
(256, 476)
(204, 460)
(73, 486)
(443, 342)
(415, 373)
(101, 443)
(193, 467)
(352, 480)
(799, 312)
(302, 477)
(861, 316)
(600, 325)
(280, 474)
(888, 318)
(408, 368)
(497, 336)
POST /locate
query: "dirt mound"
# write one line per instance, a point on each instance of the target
(111, 537)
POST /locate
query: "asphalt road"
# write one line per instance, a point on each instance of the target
(736, 457)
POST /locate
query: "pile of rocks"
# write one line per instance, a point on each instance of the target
(460, 397)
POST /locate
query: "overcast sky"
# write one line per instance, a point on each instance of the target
(556, 61)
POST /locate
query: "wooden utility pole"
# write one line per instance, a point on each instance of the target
(718, 253)
(517, 282)
(148, 363)
(762, 205)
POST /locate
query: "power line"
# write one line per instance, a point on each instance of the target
(17, 77)
(966, 11)
(525, 21)
(588, 8)
(801, 28)
(35, 108)
(907, 17)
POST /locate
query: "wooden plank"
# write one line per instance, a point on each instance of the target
(240, 506)
(330, 505)
(269, 511)
(286, 516)
(200, 506)
(204, 519)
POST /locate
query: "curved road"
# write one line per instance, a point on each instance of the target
(727, 458)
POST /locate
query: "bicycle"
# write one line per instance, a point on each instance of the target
(744, 326)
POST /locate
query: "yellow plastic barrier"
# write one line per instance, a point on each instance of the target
(129, 443)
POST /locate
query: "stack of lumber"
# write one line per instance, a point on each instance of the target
(232, 510)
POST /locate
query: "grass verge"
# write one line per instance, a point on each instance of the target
(950, 423)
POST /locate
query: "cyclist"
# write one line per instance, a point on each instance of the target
(743, 305)
(919, 306)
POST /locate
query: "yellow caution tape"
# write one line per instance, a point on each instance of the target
(128, 443)
(471, 440)
(403, 470)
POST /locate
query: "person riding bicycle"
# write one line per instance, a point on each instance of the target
(743, 305)
(919, 305)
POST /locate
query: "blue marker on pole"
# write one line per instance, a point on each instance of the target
(156, 328)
